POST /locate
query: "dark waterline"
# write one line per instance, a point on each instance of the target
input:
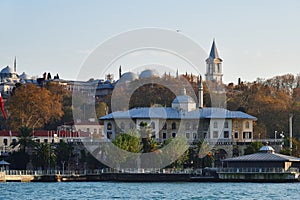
(110, 190)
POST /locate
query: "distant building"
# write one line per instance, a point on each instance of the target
(218, 126)
(214, 71)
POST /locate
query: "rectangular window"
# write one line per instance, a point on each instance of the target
(236, 135)
(187, 135)
(215, 134)
(226, 134)
(215, 124)
(226, 124)
(195, 135)
(45, 140)
(5, 141)
(247, 135)
(164, 135)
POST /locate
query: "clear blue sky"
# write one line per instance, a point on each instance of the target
(255, 38)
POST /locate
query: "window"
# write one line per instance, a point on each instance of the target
(173, 135)
(236, 124)
(195, 126)
(88, 130)
(122, 125)
(95, 130)
(173, 125)
(131, 125)
(226, 124)
(247, 135)
(109, 126)
(5, 141)
(45, 140)
(226, 134)
(152, 125)
(236, 135)
(38, 140)
(247, 125)
(165, 126)
(15, 140)
(187, 126)
(108, 135)
(195, 135)
(215, 124)
(187, 135)
(164, 135)
(215, 134)
(204, 135)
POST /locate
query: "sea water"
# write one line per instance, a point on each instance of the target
(113, 190)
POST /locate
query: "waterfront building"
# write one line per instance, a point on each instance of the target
(264, 165)
(218, 126)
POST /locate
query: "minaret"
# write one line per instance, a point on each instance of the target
(214, 65)
(120, 72)
(15, 64)
(200, 93)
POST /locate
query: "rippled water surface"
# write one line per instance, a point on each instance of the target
(110, 190)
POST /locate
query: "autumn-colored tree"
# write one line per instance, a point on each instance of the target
(33, 106)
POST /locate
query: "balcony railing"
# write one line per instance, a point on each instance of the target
(257, 170)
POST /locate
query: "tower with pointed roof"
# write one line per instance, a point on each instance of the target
(214, 65)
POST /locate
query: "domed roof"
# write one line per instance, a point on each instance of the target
(25, 76)
(148, 73)
(183, 98)
(7, 70)
(267, 149)
(128, 76)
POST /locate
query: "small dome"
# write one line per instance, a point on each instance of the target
(7, 70)
(183, 98)
(148, 73)
(25, 76)
(267, 149)
(128, 76)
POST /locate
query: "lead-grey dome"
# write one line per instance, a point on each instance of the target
(183, 98)
(25, 76)
(267, 149)
(148, 73)
(7, 70)
(128, 76)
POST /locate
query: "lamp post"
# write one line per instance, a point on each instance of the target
(275, 136)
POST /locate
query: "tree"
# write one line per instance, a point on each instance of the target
(33, 107)
(64, 154)
(25, 141)
(253, 148)
(44, 156)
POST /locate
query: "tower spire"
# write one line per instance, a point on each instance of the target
(15, 64)
(214, 65)
(214, 51)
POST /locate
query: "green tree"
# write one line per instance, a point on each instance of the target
(25, 139)
(64, 154)
(44, 156)
(25, 144)
(253, 148)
